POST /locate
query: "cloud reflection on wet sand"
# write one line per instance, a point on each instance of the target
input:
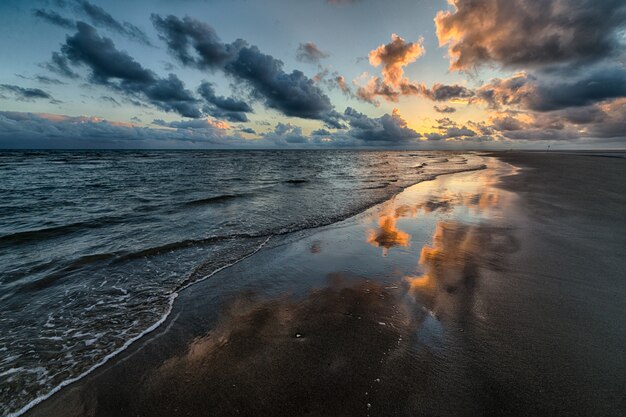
(453, 265)
(324, 354)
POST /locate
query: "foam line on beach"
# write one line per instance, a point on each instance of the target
(132, 340)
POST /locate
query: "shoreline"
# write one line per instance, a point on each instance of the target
(186, 284)
(440, 307)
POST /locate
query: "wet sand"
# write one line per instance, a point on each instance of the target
(494, 292)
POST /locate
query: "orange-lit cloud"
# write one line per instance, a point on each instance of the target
(528, 33)
(394, 56)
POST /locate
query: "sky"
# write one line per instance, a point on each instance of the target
(409, 74)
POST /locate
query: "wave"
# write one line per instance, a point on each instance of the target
(172, 297)
(29, 236)
(215, 199)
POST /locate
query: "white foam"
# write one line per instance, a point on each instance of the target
(129, 342)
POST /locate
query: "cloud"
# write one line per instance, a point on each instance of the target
(42, 79)
(118, 70)
(59, 65)
(444, 109)
(390, 128)
(196, 44)
(285, 134)
(24, 130)
(54, 18)
(443, 92)
(528, 92)
(394, 56)
(193, 124)
(606, 120)
(377, 87)
(102, 57)
(529, 33)
(343, 85)
(100, 18)
(229, 108)
(309, 52)
(26, 94)
(110, 100)
(449, 129)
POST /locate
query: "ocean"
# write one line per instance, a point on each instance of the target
(96, 245)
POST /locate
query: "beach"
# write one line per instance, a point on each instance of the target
(497, 291)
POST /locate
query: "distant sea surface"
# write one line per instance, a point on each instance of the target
(94, 246)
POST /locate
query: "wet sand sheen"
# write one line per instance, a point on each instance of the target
(423, 305)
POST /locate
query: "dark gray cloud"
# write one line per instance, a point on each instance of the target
(321, 132)
(196, 44)
(443, 92)
(58, 64)
(448, 129)
(54, 18)
(390, 128)
(546, 94)
(530, 33)
(309, 52)
(100, 18)
(286, 134)
(444, 109)
(102, 57)
(29, 130)
(293, 94)
(42, 79)
(26, 94)
(597, 121)
(110, 100)
(228, 108)
(116, 69)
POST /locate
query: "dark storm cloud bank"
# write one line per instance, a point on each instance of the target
(28, 130)
(196, 44)
(596, 122)
(546, 94)
(530, 33)
(528, 107)
(116, 69)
